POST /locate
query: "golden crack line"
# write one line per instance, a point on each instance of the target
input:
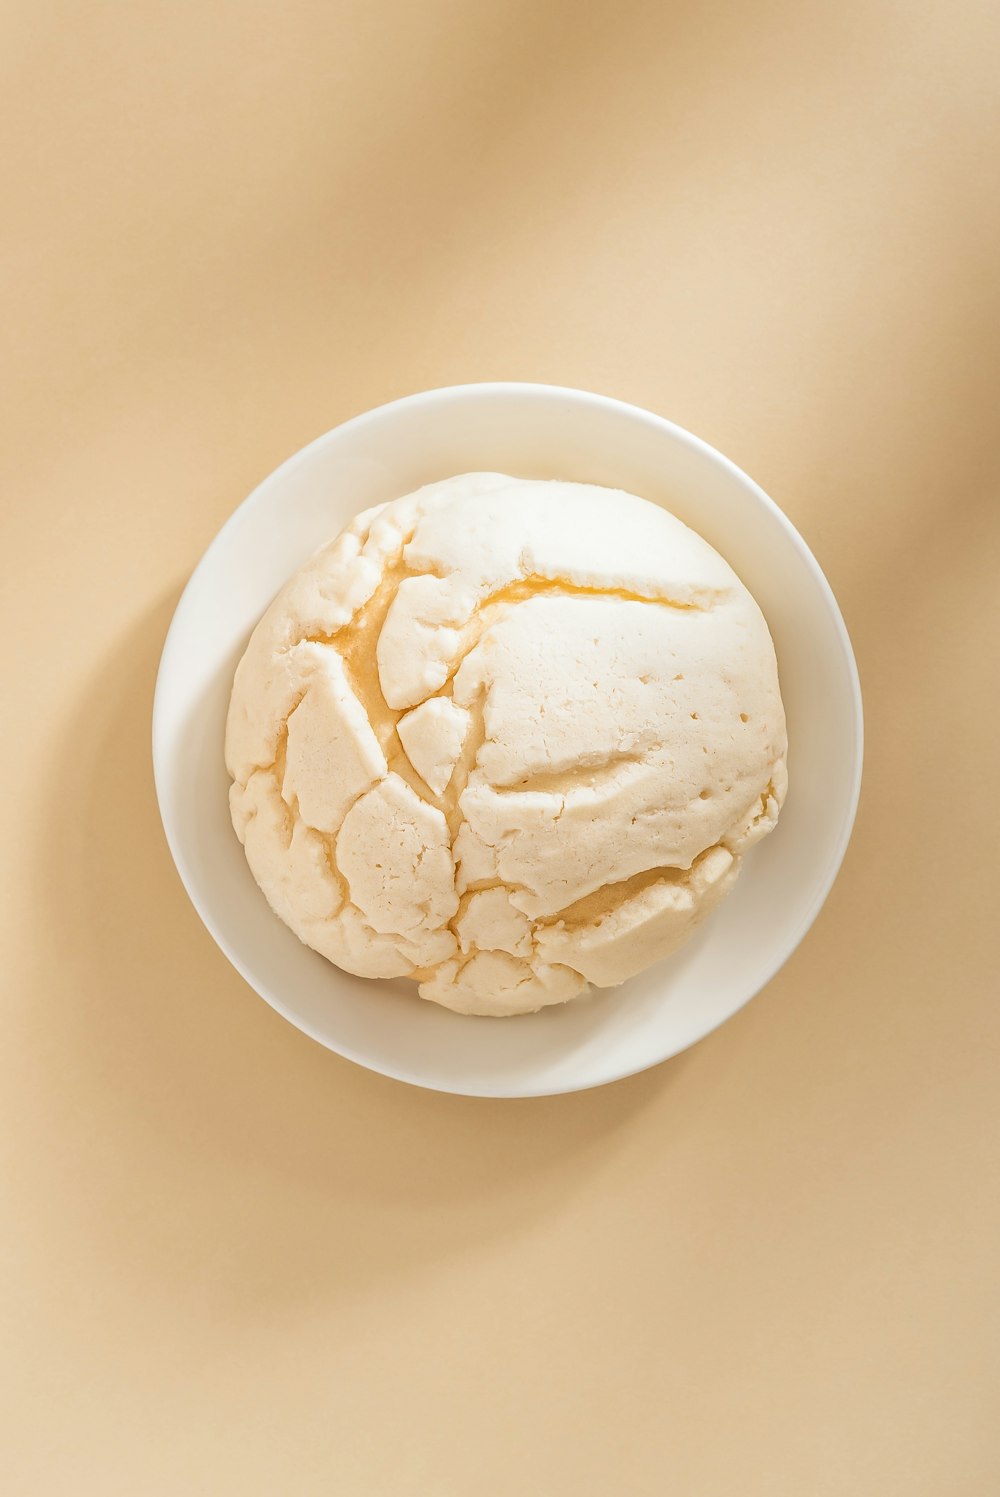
(597, 905)
(535, 585)
(582, 776)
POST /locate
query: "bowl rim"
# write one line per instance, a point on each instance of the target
(485, 390)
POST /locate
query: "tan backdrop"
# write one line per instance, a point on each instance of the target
(234, 1264)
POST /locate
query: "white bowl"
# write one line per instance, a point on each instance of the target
(536, 431)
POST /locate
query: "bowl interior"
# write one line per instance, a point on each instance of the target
(541, 432)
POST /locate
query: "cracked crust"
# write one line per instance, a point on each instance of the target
(505, 738)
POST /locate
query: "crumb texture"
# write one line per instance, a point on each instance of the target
(507, 738)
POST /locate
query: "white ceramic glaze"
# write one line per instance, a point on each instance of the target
(536, 431)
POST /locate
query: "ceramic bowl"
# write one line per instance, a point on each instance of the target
(533, 431)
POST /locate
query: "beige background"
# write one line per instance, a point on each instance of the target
(233, 1263)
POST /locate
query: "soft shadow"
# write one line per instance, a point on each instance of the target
(217, 1137)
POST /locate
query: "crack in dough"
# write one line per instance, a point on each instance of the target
(506, 738)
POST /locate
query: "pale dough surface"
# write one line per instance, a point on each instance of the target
(507, 738)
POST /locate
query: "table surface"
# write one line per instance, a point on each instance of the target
(235, 1264)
